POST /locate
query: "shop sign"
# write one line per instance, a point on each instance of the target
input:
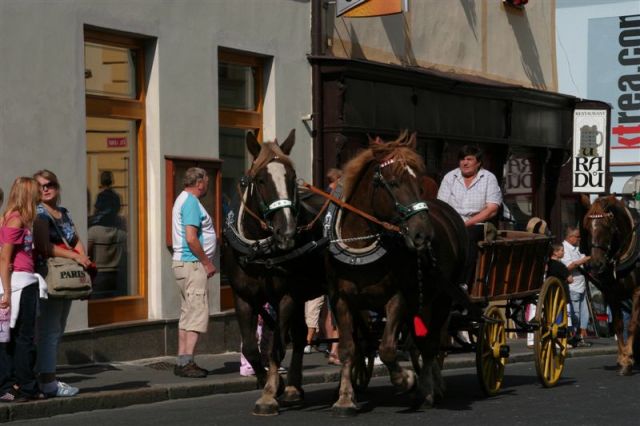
(370, 8)
(116, 142)
(343, 6)
(589, 150)
(518, 176)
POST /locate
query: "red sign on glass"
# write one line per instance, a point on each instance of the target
(116, 142)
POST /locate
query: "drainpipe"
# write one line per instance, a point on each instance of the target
(317, 10)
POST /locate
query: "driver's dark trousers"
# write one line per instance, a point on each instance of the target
(476, 234)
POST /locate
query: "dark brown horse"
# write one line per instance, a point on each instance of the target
(272, 256)
(615, 267)
(372, 268)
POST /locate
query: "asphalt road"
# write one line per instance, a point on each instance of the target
(590, 393)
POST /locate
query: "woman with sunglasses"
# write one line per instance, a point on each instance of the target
(55, 231)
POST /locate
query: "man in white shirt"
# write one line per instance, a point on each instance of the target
(573, 259)
(475, 194)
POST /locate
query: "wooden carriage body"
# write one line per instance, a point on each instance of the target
(511, 266)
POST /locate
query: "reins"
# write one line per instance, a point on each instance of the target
(386, 225)
(262, 223)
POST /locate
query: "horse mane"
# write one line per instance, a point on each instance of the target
(269, 151)
(397, 150)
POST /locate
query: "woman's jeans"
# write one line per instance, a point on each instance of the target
(51, 323)
(18, 356)
(579, 311)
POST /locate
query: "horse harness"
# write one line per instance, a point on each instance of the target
(262, 251)
(631, 256)
(377, 249)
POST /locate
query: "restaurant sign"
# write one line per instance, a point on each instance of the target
(589, 150)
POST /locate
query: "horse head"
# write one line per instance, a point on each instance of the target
(396, 172)
(602, 222)
(271, 193)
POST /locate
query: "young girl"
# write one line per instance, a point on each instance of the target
(20, 292)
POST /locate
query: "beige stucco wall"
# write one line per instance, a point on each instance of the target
(42, 104)
(481, 37)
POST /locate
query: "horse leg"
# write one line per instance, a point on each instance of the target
(627, 359)
(618, 328)
(431, 386)
(292, 316)
(403, 379)
(247, 322)
(267, 405)
(346, 404)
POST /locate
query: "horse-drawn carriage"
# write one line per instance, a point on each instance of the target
(406, 267)
(510, 275)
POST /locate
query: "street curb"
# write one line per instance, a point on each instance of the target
(157, 393)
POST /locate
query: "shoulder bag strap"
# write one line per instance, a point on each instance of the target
(53, 220)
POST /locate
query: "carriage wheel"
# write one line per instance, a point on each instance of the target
(551, 336)
(490, 356)
(361, 370)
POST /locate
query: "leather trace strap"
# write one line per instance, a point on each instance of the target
(386, 225)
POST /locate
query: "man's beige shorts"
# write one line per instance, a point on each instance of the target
(191, 279)
(312, 310)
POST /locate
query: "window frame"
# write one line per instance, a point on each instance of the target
(241, 119)
(134, 307)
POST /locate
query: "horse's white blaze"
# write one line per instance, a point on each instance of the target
(277, 173)
(410, 170)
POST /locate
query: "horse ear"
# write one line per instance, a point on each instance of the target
(253, 145)
(287, 145)
(412, 142)
(585, 201)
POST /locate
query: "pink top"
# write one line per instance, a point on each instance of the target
(22, 257)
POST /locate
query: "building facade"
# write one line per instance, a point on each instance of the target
(479, 72)
(123, 97)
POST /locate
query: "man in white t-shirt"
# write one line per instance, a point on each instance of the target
(572, 259)
(194, 245)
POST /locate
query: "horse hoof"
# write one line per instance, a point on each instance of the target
(292, 397)
(625, 371)
(265, 410)
(350, 411)
(429, 402)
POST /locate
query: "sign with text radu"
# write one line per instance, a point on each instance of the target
(589, 150)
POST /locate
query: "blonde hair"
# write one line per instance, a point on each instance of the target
(52, 178)
(23, 198)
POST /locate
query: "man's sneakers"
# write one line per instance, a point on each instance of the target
(190, 370)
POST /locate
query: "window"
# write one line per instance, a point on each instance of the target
(116, 178)
(240, 100)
